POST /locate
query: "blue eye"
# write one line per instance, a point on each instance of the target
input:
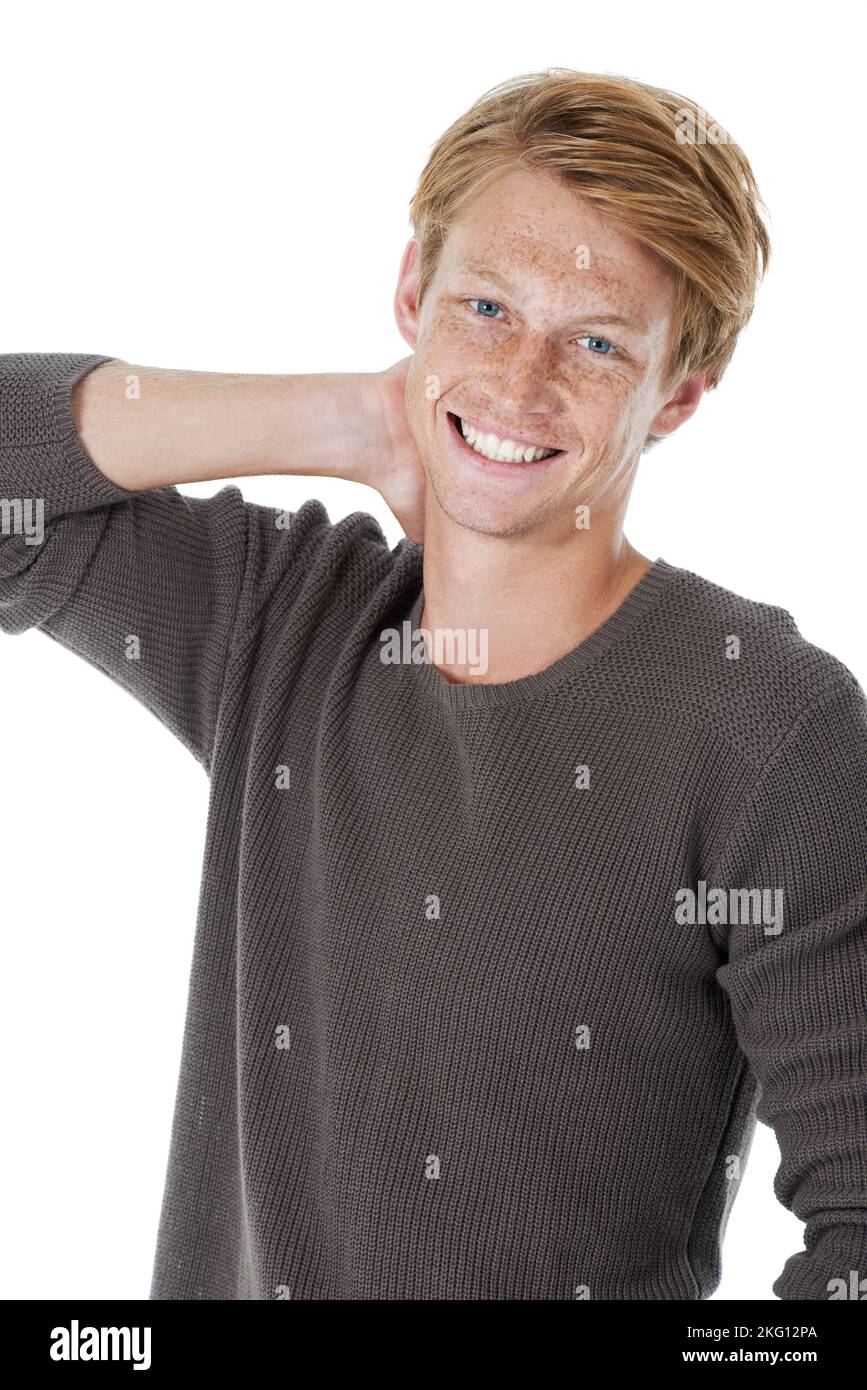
(603, 349)
(487, 305)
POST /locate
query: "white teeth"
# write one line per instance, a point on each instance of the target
(506, 450)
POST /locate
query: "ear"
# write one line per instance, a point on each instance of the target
(679, 406)
(406, 294)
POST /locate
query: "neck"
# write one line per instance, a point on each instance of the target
(533, 600)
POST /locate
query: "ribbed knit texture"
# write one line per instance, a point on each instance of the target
(507, 1072)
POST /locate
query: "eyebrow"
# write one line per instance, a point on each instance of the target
(603, 317)
(487, 275)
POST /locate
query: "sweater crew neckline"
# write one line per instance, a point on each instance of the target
(643, 596)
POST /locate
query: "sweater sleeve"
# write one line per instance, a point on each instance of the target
(798, 992)
(145, 585)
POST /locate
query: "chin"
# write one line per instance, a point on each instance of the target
(483, 516)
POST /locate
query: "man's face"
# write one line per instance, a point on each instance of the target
(543, 325)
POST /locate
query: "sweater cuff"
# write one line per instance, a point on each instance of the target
(80, 486)
(41, 456)
(834, 1269)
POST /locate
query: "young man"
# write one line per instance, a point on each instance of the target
(507, 932)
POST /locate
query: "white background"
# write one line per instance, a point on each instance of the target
(225, 187)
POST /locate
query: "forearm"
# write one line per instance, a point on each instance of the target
(148, 427)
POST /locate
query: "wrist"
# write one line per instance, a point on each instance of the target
(325, 427)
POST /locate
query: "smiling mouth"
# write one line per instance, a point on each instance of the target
(497, 450)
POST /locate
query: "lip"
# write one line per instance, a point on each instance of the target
(490, 427)
(499, 468)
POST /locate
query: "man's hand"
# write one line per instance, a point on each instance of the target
(393, 466)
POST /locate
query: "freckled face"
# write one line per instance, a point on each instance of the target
(546, 325)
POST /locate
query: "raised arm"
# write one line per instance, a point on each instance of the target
(146, 583)
(149, 427)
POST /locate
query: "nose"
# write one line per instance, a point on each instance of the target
(525, 376)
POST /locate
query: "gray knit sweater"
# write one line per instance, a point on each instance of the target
(481, 1004)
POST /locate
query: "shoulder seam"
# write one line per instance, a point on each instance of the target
(834, 690)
